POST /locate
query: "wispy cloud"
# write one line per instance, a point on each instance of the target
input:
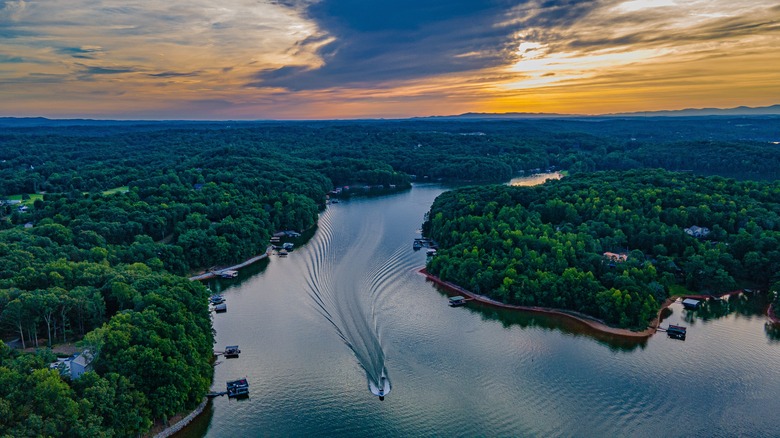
(360, 58)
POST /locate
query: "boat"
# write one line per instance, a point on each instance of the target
(282, 253)
(457, 301)
(417, 245)
(220, 308)
(238, 388)
(382, 389)
(228, 274)
(216, 299)
(287, 246)
(232, 351)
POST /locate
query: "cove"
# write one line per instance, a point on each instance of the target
(468, 371)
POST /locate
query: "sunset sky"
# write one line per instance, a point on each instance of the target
(304, 59)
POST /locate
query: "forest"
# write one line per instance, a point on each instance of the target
(101, 224)
(613, 245)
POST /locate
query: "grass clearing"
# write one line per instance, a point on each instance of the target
(123, 189)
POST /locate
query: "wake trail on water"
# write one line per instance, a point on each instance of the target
(348, 279)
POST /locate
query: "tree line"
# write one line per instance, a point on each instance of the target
(103, 264)
(546, 245)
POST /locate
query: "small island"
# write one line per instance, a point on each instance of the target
(610, 245)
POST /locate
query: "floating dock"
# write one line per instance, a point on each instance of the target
(676, 331)
(238, 388)
(457, 301)
(231, 351)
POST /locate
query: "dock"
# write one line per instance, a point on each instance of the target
(213, 273)
(675, 331)
(458, 301)
(231, 351)
(238, 388)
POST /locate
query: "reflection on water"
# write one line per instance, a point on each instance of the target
(526, 319)
(740, 305)
(772, 332)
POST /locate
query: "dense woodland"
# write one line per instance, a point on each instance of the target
(117, 214)
(545, 245)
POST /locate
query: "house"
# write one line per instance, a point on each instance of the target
(615, 257)
(74, 366)
(28, 225)
(690, 303)
(697, 231)
(23, 209)
(80, 364)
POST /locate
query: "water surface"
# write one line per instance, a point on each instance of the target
(315, 325)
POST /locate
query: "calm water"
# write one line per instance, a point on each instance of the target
(315, 326)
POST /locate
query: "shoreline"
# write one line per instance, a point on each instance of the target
(210, 274)
(590, 321)
(182, 423)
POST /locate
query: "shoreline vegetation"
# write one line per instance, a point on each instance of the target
(580, 317)
(588, 320)
(611, 245)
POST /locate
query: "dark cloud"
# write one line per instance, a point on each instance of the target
(5, 59)
(80, 52)
(36, 78)
(106, 71)
(175, 74)
(89, 73)
(378, 41)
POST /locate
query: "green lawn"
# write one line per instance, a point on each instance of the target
(677, 290)
(28, 202)
(34, 196)
(123, 189)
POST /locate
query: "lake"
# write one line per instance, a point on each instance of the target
(314, 327)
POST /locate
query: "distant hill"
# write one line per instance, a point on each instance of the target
(773, 110)
(738, 111)
(690, 112)
(502, 116)
(28, 122)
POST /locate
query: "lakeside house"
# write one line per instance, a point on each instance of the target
(697, 231)
(74, 366)
(616, 257)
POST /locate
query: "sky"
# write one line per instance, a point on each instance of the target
(325, 59)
